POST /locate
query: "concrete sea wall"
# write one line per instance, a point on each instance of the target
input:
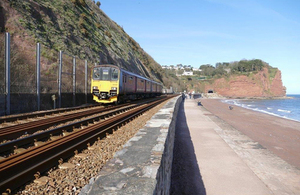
(144, 164)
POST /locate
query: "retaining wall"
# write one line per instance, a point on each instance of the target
(144, 165)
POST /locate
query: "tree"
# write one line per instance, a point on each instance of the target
(98, 4)
(207, 70)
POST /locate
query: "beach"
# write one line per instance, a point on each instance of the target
(280, 136)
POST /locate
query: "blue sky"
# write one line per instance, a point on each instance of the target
(196, 32)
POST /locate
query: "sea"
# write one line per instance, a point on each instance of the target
(285, 108)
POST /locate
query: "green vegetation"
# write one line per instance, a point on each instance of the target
(80, 28)
(208, 73)
(226, 69)
(272, 72)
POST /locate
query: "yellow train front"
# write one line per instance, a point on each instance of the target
(105, 83)
(111, 84)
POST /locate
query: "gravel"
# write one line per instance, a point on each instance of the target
(81, 169)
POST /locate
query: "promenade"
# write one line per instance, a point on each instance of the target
(212, 157)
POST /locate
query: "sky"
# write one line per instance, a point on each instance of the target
(197, 32)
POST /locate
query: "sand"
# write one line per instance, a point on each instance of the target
(280, 136)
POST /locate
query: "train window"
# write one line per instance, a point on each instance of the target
(105, 74)
(142, 81)
(114, 74)
(130, 78)
(97, 73)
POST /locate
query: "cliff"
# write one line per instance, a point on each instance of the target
(265, 83)
(77, 27)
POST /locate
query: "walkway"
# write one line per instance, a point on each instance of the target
(204, 163)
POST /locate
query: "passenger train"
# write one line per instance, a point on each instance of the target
(111, 84)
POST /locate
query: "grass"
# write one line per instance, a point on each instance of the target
(80, 28)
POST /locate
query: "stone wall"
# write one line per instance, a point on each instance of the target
(166, 141)
(144, 165)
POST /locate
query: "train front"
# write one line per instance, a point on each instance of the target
(105, 83)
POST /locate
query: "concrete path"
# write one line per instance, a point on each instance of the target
(221, 170)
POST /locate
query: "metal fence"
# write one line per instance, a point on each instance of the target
(36, 78)
(2, 74)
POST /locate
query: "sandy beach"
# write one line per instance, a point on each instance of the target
(280, 136)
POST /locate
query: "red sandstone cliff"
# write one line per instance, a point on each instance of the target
(261, 84)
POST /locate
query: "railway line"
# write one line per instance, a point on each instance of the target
(11, 132)
(20, 168)
(51, 134)
(17, 117)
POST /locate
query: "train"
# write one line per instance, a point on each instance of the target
(112, 84)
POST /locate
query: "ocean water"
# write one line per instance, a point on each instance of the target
(285, 108)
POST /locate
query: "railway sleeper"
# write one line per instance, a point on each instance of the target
(64, 147)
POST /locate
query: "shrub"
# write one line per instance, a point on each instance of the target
(84, 32)
(82, 2)
(98, 4)
(79, 2)
(98, 25)
(81, 23)
(107, 33)
(83, 16)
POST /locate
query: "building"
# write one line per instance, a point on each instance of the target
(188, 73)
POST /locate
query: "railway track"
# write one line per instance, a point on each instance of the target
(20, 168)
(39, 138)
(11, 132)
(13, 118)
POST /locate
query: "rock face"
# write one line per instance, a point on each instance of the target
(78, 28)
(261, 84)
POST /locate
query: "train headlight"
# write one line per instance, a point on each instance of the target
(113, 88)
(95, 87)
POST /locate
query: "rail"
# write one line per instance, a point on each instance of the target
(20, 168)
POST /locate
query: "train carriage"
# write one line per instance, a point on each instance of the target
(111, 84)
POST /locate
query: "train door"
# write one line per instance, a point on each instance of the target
(135, 84)
(124, 83)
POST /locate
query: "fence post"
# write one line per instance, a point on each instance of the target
(7, 73)
(74, 81)
(85, 80)
(59, 78)
(38, 75)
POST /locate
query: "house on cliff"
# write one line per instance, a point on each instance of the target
(187, 73)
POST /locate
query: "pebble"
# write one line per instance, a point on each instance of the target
(70, 179)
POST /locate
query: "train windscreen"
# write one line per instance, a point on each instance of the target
(105, 74)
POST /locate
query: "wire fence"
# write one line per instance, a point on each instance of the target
(24, 92)
(2, 64)
(49, 70)
(22, 68)
(2, 74)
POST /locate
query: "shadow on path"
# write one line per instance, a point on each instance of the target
(186, 177)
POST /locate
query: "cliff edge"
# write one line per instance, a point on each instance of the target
(264, 83)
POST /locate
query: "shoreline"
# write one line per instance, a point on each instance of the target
(261, 111)
(279, 135)
(216, 96)
(260, 98)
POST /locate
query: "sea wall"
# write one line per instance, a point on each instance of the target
(144, 164)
